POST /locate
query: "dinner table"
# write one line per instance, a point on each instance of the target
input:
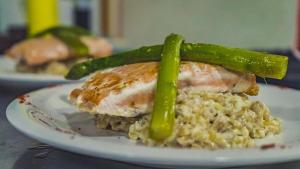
(17, 151)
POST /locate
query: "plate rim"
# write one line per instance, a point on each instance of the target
(151, 155)
(27, 77)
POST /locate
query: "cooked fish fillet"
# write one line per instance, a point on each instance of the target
(38, 51)
(128, 90)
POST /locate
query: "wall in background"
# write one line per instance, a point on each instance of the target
(240, 23)
(12, 12)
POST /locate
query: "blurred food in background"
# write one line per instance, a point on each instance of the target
(128, 23)
(256, 24)
(54, 50)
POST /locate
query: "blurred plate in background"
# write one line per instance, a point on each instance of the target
(9, 77)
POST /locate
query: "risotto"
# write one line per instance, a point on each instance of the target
(53, 67)
(205, 120)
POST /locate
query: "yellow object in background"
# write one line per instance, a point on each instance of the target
(41, 14)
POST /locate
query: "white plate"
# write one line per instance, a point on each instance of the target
(10, 77)
(47, 116)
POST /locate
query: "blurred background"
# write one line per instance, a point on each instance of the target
(255, 24)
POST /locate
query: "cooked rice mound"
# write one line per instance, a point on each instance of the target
(205, 120)
(52, 68)
(115, 123)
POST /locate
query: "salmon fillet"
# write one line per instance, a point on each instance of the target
(38, 51)
(129, 90)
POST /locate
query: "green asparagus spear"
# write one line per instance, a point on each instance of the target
(163, 115)
(74, 44)
(78, 31)
(261, 64)
(70, 36)
(241, 60)
(143, 54)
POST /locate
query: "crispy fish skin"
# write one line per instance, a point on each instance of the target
(128, 90)
(37, 51)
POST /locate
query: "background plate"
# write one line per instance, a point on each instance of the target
(9, 77)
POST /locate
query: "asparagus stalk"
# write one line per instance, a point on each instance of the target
(241, 60)
(163, 115)
(66, 29)
(74, 43)
(261, 64)
(143, 54)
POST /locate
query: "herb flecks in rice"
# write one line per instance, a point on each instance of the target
(206, 120)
